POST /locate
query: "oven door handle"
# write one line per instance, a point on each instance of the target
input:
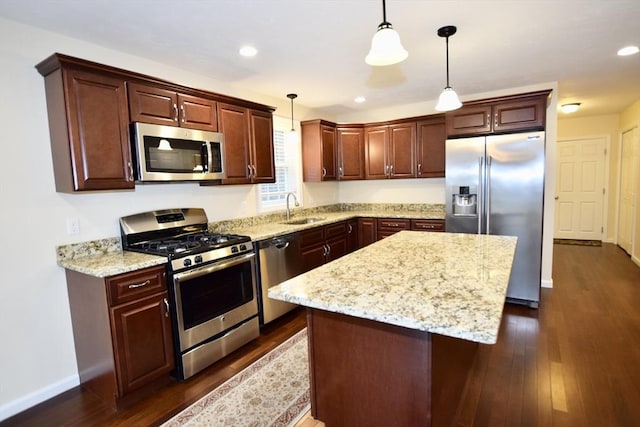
(210, 268)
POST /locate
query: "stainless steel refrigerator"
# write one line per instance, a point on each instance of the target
(495, 185)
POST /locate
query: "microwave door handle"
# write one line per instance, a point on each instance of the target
(206, 154)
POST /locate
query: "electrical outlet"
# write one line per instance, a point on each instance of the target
(73, 226)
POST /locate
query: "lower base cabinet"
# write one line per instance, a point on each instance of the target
(122, 333)
(323, 244)
(373, 229)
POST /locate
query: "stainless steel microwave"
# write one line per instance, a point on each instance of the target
(170, 153)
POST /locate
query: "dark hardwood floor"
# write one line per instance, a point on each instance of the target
(573, 362)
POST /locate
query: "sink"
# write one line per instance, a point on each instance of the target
(301, 221)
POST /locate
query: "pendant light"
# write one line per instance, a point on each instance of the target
(292, 133)
(448, 98)
(386, 48)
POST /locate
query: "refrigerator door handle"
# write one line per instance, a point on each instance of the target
(480, 200)
(488, 192)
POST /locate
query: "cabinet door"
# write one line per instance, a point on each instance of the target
(526, 114)
(313, 256)
(336, 248)
(469, 120)
(98, 126)
(151, 104)
(402, 150)
(350, 153)
(328, 138)
(367, 231)
(387, 227)
(376, 140)
(233, 123)
(197, 113)
(431, 141)
(142, 341)
(261, 136)
(352, 235)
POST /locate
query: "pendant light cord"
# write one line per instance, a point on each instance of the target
(292, 96)
(447, 61)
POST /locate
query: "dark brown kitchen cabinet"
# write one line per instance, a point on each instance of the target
(367, 231)
(320, 245)
(350, 142)
(431, 140)
(248, 144)
(122, 333)
(427, 225)
(318, 151)
(88, 125)
(352, 235)
(390, 151)
(505, 114)
(388, 226)
(151, 104)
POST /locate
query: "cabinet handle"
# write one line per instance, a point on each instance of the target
(349, 228)
(419, 168)
(166, 304)
(390, 170)
(341, 171)
(328, 248)
(495, 121)
(130, 171)
(250, 171)
(183, 113)
(175, 113)
(139, 285)
(324, 172)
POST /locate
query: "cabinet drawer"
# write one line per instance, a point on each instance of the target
(312, 237)
(137, 284)
(334, 230)
(427, 224)
(394, 224)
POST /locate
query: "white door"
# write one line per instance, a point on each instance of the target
(580, 189)
(628, 158)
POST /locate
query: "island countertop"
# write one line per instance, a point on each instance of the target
(450, 284)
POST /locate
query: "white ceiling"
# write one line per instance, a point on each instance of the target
(316, 48)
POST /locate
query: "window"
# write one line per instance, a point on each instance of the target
(272, 197)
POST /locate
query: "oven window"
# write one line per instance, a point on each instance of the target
(174, 155)
(211, 295)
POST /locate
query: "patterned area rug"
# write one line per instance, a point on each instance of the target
(271, 392)
(577, 242)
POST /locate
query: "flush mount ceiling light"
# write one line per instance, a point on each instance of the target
(248, 51)
(448, 100)
(359, 99)
(386, 48)
(628, 50)
(570, 108)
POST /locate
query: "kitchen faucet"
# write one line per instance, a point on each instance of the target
(296, 202)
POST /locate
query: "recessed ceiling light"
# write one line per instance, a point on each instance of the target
(359, 99)
(628, 50)
(570, 108)
(248, 51)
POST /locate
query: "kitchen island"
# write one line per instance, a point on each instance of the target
(393, 327)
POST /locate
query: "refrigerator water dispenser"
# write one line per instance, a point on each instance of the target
(464, 202)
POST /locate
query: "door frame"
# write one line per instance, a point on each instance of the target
(618, 195)
(605, 179)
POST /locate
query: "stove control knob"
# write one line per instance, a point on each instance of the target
(234, 249)
(243, 247)
(198, 258)
(187, 262)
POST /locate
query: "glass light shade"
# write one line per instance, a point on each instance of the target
(164, 145)
(291, 137)
(386, 48)
(448, 100)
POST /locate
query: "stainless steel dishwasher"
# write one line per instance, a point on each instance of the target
(279, 259)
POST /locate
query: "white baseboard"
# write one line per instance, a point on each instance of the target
(12, 408)
(547, 283)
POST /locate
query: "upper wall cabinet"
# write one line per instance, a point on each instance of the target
(499, 115)
(152, 104)
(88, 125)
(90, 113)
(248, 144)
(350, 152)
(430, 140)
(390, 151)
(318, 151)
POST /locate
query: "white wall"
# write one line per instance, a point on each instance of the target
(37, 360)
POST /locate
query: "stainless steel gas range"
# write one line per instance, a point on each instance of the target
(212, 283)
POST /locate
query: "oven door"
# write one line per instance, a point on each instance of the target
(213, 298)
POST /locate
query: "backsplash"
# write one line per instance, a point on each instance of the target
(114, 244)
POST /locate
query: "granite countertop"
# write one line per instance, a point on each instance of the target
(446, 283)
(112, 263)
